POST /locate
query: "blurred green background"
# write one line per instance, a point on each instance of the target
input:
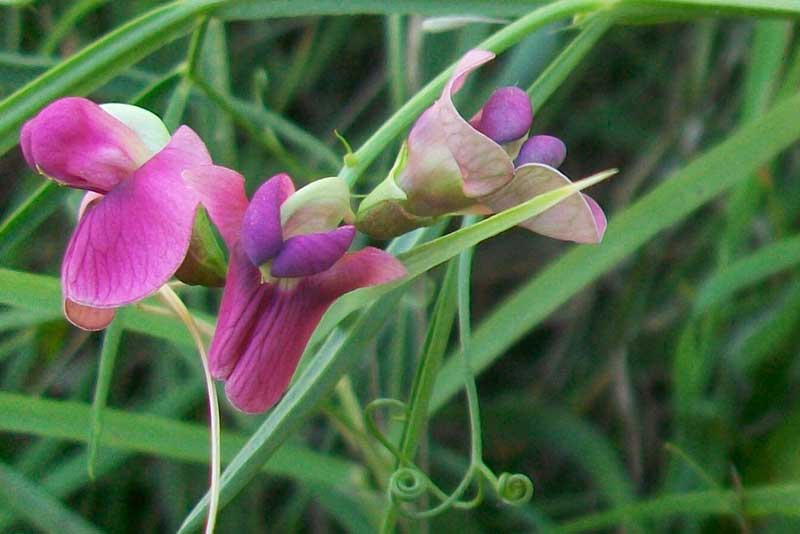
(653, 378)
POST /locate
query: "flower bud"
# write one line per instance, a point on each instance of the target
(506, 116)
(544, 149)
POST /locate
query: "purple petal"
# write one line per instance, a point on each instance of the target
(261, 333)
(238, 312)
(221, 191)
(130, 242)
(368, 267)
(600, 221)
(86, 317)
(274, 346)
(506, 116)
(484, 164)
(544, 149)
(573, 219)
(76, 143)
(261, 233)
(264, 328)
(308, 254)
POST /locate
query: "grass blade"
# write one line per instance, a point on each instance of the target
(36, 506)
(108, 356)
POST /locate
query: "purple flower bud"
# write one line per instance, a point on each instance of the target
(506, 116)
(542, 149)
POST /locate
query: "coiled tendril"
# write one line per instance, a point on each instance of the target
(514, 489)
(407, 484)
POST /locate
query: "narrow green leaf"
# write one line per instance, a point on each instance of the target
(38, 507)
(777, 500)
(105, 371)
(152, 434)
(748, 271)
(42, 294)
(28, 215)
(560, 68)
(706, 177)
(98, 62)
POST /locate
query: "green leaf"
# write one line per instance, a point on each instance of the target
(98, 62)
(705, 178)
(781, 500)
(105, 371)
(746, 272)
(39, 508)
(152, 434)
(27, 216)
(42, 294)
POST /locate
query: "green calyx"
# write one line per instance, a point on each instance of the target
(204, 264)
(383, 214)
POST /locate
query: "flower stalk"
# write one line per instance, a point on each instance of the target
(171, 300)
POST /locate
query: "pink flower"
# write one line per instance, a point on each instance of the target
(144, 189)
(287, 267)
(451, 165)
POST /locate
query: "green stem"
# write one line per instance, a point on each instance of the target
(171, 299)
(425, 379)
(352, 409)
(465, 333)
(395, 58)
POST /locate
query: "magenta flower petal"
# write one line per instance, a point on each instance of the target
(599, 215)
(221, 191)
(261, 234)
(572, 219)
(131, 241)
(544, 149)
(506, 116)
(274, 346)
(238, 313)
(76, 143)
(263, 328)
(308, 254)
(484, 164)
(86, 317)
(368, 267)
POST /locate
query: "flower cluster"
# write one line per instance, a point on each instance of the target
(484, 165)
(151, 198)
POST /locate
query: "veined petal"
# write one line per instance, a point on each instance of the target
(76, 143)
(307, 254)
(368, 267)
(272, 349)
(264, 328)
(130, 242)
(261, 233)
(239, 311)
(318, 207)
(572, 219)
(431, 179)
(87, 317)
(221, 191)
(484, 164)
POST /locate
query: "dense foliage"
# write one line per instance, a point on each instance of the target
(649, 381)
